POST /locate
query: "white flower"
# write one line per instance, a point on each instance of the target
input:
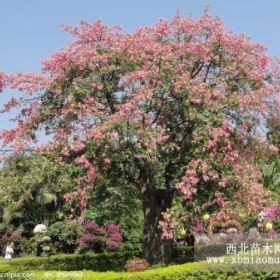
(261, 216)
(40, 228)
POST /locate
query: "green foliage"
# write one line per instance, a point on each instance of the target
(27, 246)
(183, 255)
(271, 175)
(132, 229)
(271, 168)
(114, 261)
(160, 274)
(89, 261)
(31, 192)
(189, 271)
(64, 236)
(126, 202)
(31, 188)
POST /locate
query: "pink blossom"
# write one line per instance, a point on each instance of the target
(199, 228)
(162, 28)
(272, 212)
(83, 204)
(65, 152)
(83, 160)
(114, 136)
(196, 101)
(206, 178)
(277, 102)
(107, 160)
(273, 149)
(77, 146)
(1, 80)
(12, 103)
(91, 174)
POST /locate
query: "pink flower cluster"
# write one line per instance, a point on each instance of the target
(98, 238)
(272, 212)
(168, 225)
(83, 161)
(77, 146)
(188, 184)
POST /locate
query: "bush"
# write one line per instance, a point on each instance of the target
(27, 247)
(89, 261)
(61, 266)
(190, 271)
(64, 236)
(183, 255)
(113, 261)
(98, 238)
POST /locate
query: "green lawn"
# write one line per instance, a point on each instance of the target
(86, 274)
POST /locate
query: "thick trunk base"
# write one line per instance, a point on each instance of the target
(155, 202)
(157, 250)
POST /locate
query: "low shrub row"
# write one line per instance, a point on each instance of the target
(93, 266)
(88, 261)
(190, 271)
(100, 262)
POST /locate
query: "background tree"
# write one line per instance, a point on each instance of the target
(32, 188)
(165, 113)
(271, 166)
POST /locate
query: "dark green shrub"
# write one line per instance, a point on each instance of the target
(113, 261)
(64, 236)
(183, 255)
(89, 261)
(27, 246)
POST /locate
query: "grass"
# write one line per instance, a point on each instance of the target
(86, 274)
(188, 271)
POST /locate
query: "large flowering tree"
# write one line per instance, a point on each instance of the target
(168, 112)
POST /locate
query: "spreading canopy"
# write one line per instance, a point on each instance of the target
(169, 109)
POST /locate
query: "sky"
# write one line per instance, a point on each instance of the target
(30, 29)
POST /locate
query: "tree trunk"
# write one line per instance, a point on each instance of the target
(155, 202)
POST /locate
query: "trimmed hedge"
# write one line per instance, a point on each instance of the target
(183, 255)
(89, 261)
(99, 262)
(190, 271)
(66, 264)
